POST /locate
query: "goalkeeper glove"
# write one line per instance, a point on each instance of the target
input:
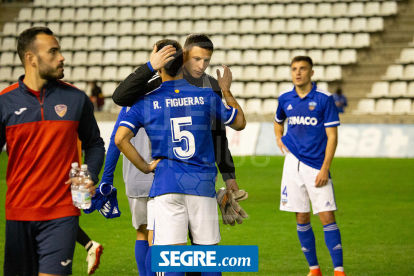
(230, 209)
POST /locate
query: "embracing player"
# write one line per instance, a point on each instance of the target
(310, 144)
(198, 52)
(177, 118)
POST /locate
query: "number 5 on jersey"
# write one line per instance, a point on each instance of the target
(178, 135)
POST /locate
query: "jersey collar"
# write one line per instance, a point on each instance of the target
(310, 95)
(179, 82)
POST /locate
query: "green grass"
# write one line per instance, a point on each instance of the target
(375, 198)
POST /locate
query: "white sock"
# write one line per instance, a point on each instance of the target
(88, 245)
(314, 267)
(339, 268)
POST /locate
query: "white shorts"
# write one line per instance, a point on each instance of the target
(175, 214)
(138, 206)
(298, 187)
(150, 214)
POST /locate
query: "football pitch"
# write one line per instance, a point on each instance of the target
(375, 199)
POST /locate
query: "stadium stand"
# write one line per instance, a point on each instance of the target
(104, 40)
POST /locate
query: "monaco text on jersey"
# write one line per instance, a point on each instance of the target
(300, 120)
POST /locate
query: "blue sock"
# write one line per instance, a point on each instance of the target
(148, 263)
(141, 249)
(210, 273)
(307, 241)
(174, 274)
(334, 244)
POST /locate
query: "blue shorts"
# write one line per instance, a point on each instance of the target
(34, 247)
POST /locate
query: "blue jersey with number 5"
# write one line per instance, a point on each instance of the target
(177, 118)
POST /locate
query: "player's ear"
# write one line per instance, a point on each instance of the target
(312, 72)
(30, 58)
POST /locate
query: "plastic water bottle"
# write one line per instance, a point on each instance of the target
(74, 173)
(84, 198)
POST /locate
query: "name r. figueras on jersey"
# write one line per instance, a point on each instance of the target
(300, 120)
(184, 101)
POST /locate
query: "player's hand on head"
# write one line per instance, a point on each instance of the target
(281, 146)
(225, 80)
(159, 59)
(151, 166)
(322, 178)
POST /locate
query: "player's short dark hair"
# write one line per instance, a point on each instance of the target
(25, 41)
(200, 40)
(302, 58)
(173, 67)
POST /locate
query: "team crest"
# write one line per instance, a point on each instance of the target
(312, 106)
(284, 201)
(61, 109)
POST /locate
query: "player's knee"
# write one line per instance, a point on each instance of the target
(303, 218)
(142, 232)
(327, 217)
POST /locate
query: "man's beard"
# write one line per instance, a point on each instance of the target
(49, 73)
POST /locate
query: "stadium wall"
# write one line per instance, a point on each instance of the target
(355, 140)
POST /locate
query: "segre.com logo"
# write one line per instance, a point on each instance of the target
(226, 258)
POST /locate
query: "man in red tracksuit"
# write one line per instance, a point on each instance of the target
(41, 119)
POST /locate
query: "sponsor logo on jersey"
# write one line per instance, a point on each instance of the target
(115, 211)
(289, 107)
(21, 110)
(300, 120)
(61, 109)
(312, 106)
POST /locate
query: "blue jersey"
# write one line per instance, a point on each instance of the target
(307, 119)
(177, 118)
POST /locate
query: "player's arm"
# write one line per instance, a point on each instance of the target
(112, 155)
(123, 138)
(92, 143)
(279, 129)
(239, 122)
(136, 84)
(323, 176)
(224, 159)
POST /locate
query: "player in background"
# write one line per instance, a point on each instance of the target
(137, 183)
(175, 112)
(198, 51)
(310, 144)
(41, 120)
(137, 186)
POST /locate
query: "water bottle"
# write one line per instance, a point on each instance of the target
(74, 173)
(84, 198)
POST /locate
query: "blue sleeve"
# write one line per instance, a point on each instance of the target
(133, 119)
(345, 101)
(113, 153)
(330, 114)
(226, 114)
(280, 113)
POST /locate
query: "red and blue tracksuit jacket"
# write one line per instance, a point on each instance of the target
(41, 133)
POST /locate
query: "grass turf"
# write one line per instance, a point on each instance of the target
(375, 198)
